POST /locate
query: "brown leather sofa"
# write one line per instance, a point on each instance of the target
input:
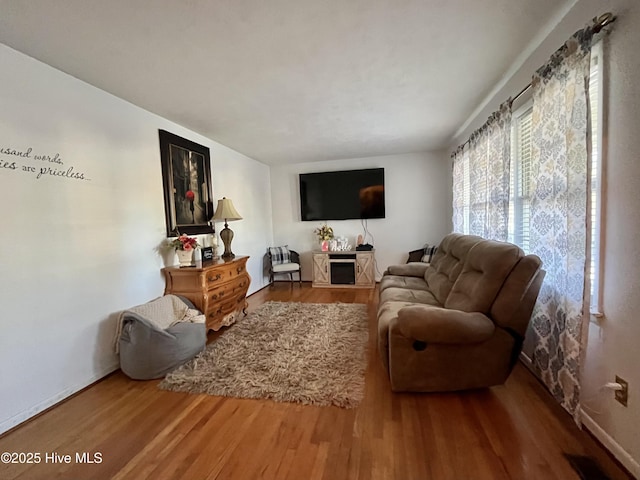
(459, 322)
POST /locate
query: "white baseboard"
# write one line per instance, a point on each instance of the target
(524, 358)
(610, 444)
(603, 437)
(51, 401)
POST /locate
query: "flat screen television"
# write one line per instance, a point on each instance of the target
(344, 195)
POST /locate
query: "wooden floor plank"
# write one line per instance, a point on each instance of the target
(514, 431)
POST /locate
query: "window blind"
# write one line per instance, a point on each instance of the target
(521, 171)
(595, 104)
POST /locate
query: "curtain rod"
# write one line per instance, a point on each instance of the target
(598, 24)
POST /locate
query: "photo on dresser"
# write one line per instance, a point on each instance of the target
(186, 178)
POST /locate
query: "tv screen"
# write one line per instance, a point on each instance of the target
(349, 194)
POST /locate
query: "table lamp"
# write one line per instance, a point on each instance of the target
(225, 211)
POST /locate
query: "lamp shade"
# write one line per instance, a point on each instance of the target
(225, 211)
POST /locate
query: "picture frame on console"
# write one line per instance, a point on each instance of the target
(186, 179)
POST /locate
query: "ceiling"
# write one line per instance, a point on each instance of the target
(289, 81)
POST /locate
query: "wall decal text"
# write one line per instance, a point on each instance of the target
(38, 164)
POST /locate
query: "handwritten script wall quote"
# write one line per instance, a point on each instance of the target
(40, 165)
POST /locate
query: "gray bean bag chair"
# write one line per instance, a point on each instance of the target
(155, 338)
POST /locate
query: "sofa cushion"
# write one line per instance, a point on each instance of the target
(429, 252)
(447, 263)
(484, 271)
(518, 294)
(399, 281)
(395, 294)
(425, 254)
(413, 269)
(286, 267)
(279, 255)
(415, 255)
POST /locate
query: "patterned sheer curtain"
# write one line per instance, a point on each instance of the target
(559, 219)
(461, 191)
(481, 179)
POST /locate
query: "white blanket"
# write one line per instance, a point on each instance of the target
(163, 312)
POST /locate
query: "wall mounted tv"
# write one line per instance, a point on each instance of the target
(348, 194)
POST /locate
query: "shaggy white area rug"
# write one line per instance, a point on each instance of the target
(310, 353)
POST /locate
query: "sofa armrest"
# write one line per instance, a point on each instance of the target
(431, 324)
(413, 269)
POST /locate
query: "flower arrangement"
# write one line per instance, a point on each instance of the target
(184, 243)
(324, 232)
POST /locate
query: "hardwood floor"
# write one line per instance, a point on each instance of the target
(514, 431)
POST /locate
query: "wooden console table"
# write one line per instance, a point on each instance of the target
(219, 289)
(355, 269)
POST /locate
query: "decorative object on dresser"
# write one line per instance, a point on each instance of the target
(186, 177)
(207, 254)
(184, 247)
(325, 234)
(185, 258)
(344, 269)
(310, 353)
(339, 244)
(219, 289)
(226, 212)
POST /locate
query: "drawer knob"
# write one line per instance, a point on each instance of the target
(213, 279)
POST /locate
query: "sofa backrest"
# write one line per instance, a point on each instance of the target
(514, 304)
(485, 269)
(447, 263)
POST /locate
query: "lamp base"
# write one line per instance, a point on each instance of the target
(227, 235)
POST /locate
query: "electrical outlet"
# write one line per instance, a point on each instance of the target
(622, 395)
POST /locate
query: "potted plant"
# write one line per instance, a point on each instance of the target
(324, 233)
(184, 247)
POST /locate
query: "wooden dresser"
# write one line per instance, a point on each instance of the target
(218, 289)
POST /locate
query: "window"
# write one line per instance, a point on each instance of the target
(597, 124)
(462, 193)
(481, 179)
(520, 176)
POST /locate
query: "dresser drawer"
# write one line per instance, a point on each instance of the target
(228, 289)
(221, 309)
(224, 273)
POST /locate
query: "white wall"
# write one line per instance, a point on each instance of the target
(77, 251)
(418, 206)
(613, 341)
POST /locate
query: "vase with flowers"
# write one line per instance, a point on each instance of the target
(184, 247)
(324, 233)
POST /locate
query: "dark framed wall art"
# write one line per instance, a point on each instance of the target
(186, 177)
